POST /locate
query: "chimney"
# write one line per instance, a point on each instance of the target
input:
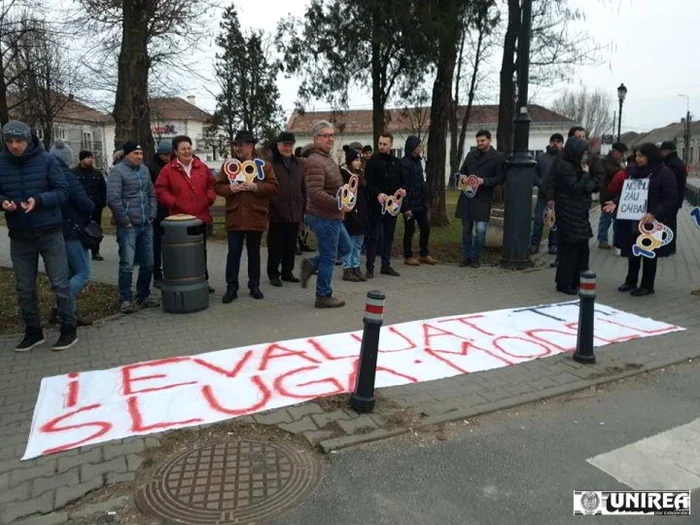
(192, 99)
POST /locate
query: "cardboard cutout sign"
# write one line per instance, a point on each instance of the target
(633, 200)
(468, 185)
(653, 235)
(549, 217)
(246, 171)
(392, 203)
(695, 215)
(347, 193)
(89, 407)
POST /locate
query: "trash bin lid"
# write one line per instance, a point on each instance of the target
(180, 217)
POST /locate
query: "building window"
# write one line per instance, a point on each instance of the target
(40, 133)
(59, 132)
(87, 140)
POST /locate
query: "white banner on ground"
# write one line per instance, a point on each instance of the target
(86, 408)
(633, 199)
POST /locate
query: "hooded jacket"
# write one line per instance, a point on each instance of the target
(131, 195)
(35, 174)
(417, 195)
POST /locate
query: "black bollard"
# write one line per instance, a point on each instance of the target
(362, 398)
(584, 343)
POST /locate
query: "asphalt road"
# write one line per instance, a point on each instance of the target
(512, 467)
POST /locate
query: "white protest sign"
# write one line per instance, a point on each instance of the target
(633, 199)
(85, 408)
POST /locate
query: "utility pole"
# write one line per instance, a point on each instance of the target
(686, 134)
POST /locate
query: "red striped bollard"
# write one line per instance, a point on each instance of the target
(584, 342)
(362, 398)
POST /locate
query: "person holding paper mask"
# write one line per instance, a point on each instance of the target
(661, 206)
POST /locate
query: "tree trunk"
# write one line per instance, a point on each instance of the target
(506, 100)
(378, 72)
(440, 106)
(4, 109)
(131, 109)
(455, 156)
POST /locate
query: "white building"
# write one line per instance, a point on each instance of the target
(356, 126)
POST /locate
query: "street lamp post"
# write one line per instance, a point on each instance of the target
(521, 166)
(621, 94)
(686, 134)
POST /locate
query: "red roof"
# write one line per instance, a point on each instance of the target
(399, 120)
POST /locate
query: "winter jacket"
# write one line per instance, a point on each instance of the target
(383, 175)
(417, 196)
(78, 208)
(490, 166)
(248, 210)
(192, 195)
(357, 222)
(610, 168)
(679, 170)
(35, 174)
(543, 171)
(323, 179)
(94, 184)
(572, 194)
(131, 195)
(154, 165)
(288, 204)
(661, 203)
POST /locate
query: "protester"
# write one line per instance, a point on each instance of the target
(247, 205)
(323, 215)
(662, 202)
(680, 170)
(155, 164)
(573, 187)
(488, 165)
(383, 176)
(132, 199)
(33, 188)
(611, 163)
(417, 204)
(286, 210)
(95, 185)
(366, 154)
(77, 212)
(185, 185)
(543, 171)
(357, 220)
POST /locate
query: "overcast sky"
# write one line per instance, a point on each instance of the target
(648, 45)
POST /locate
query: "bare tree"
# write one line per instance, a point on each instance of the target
(589, 108)
(415, 115)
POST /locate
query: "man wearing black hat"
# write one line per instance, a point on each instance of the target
(611, 163)
(679, 169)
(95, 186)
(286, 210)
(132, 199)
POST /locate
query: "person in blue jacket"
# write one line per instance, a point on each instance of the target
(77, 212)
(33, 188)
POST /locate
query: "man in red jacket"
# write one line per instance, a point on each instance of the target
(186, 185)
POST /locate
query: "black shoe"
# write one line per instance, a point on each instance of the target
(475, 263)
(370, 273)
(552, 250)
(554, 263)
(53, 318)
(229, 296)
(298, 251)
(535, 248)
(210, 289)
(97, 257)
(68, 338)
(388, 270)
(568, 290)
(641, 292)
(465, 262)
(276, 282)
(158, 283)
(255, 293)
(307, 270)
(290, 278)
(626, 287)
(33, 336)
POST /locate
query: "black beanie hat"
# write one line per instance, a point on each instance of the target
(131, 145)
(84, 154)
(350, 154)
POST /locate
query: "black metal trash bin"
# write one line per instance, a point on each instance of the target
(184, 287)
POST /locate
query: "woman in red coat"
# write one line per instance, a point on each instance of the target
(186, 185)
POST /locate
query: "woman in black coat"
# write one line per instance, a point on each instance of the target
(661, 206)
(357, 221)
(573, 186)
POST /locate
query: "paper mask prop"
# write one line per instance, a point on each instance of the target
(468, 185)
(653, 235)
(695, 215)
(392, 204)
(548, 216)
(347, 193)
(247, 171)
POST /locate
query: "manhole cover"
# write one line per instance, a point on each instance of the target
(234, 482)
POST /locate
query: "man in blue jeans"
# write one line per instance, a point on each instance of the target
(132, 199)
(32, 190)
(543, 170)
(323, 217)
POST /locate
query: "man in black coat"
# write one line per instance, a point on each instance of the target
(543, 170)
(154, 165)
(383, 176)
(678, 167)
(611, 164)
(95, 186)
(488, 165)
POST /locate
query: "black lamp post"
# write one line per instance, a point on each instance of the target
(621, 94)
(520, 177)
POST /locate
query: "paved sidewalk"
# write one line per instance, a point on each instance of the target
(44, 486)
